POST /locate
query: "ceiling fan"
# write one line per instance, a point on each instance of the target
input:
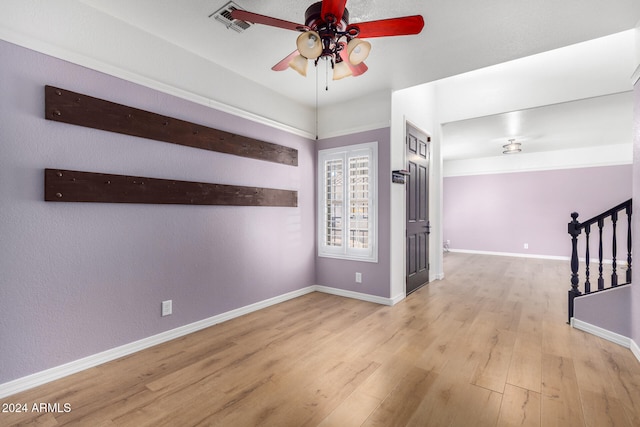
(328, 34)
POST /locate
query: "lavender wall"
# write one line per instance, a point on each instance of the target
(340, 274)
(609, 310)
(79, 278)
(502, 212)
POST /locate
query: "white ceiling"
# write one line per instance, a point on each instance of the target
(604, 120)
(459, 36)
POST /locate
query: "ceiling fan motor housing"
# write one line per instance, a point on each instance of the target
(313, 18)
(328, 29)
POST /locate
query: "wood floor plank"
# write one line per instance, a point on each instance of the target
(437, 407)
(495, 359)
(555, 338)
(602, 410)
(525, 370)
(520, 407)
(484, 347)
(353, 411)
(561, 403)
(399, 407)
(625, 378)
(450, 393)
(589, 364)
(479, 408)
(386, 378)
(442, 347)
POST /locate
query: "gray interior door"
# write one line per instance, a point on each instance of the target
(417, 188)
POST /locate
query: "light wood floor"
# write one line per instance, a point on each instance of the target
(487, 346)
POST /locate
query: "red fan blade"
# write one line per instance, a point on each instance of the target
(284, 64)
(333, 7)
(255, 18)
(404, 26)
(357, 70)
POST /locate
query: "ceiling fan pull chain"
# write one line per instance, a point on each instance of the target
(316, 101)
(326, 74)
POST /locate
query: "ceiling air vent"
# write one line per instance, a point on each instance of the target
(224, 15)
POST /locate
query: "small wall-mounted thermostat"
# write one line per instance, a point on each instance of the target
(399, 176)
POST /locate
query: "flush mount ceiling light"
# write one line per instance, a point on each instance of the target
(327, 34)
(512, 147)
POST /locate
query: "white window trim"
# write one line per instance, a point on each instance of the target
(344, 252)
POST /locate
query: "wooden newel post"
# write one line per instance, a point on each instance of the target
(574, 231)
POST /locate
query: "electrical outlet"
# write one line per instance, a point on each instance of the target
(526, 246)
(167, 307)
(448, 242)
(358, 277)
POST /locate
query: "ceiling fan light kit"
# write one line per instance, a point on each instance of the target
(299, 63)
(358, 50)
(309, 44)
(341, 70)
(327, 34)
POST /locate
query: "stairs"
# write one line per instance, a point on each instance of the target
(600, 295)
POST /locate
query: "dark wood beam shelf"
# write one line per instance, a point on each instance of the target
(75, 186)
(62, 105)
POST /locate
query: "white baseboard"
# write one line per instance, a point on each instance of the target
(518, 255)
(356, 295)
(635, 350)
(397, 299)
(602, 333)
(48, 375)
(620, 263)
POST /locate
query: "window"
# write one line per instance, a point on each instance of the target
(347, 202)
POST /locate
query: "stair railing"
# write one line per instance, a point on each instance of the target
(575, 229)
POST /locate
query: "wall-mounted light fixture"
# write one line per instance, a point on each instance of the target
(512, 147)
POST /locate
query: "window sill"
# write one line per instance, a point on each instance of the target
(349, 257)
